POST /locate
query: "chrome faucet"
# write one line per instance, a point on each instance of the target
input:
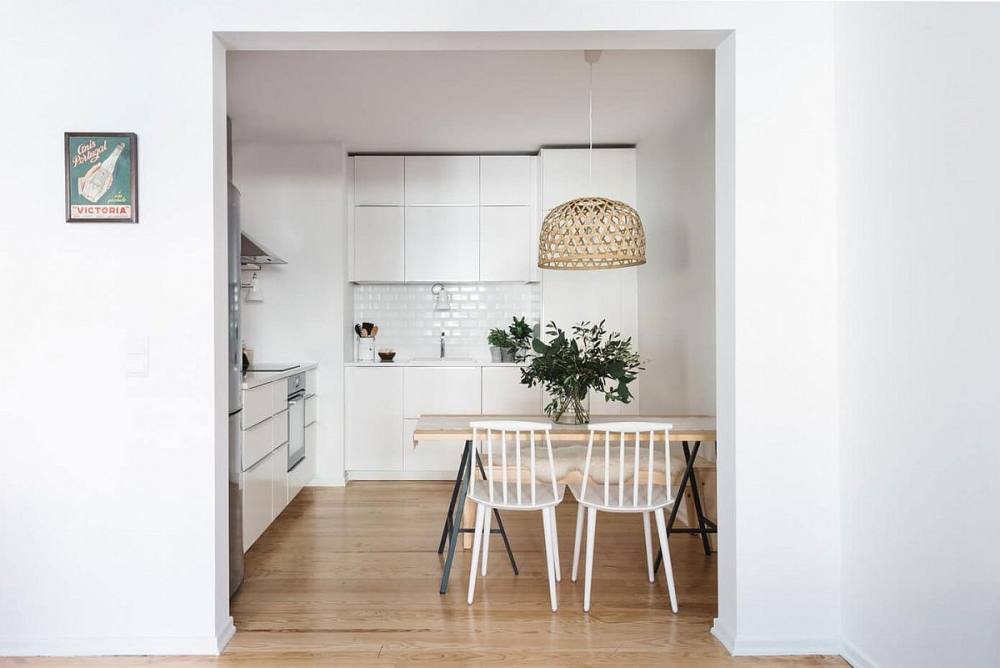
(442, 345)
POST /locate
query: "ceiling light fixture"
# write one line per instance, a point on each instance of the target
(591, 232)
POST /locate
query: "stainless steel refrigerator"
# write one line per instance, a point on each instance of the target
(235, 362)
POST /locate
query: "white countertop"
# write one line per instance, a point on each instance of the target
(258, 378)
(435, 362)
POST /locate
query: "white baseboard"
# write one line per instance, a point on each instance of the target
(767, 647)
(855, 657)
(723, 635)
(224, 635)
(401, 475)
(133, 646)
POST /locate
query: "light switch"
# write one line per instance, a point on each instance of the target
(135, 357)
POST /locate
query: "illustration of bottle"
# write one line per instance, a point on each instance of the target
(96, 182)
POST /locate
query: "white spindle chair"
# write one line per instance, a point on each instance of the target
(534, 486)
(611, 483)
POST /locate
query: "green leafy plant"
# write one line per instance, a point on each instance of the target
(590, 359)
(498, 338)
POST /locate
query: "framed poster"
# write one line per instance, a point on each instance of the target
(102, 185)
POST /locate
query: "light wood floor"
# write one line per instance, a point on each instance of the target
(350, 577)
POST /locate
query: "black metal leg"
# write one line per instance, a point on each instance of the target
(454, 495)
(696, 495)
(457, 519)
(705, 526)
(500, 529)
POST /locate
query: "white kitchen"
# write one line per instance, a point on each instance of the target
(393, 209)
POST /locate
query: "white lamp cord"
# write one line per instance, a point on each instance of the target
(590, 121)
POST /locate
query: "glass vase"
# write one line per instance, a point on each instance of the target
(572, 407)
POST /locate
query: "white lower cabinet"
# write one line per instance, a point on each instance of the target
(375, 415)
(256, 500)
(429, 455)
(279, 480)
(304, 472)
(384, 404)
(503, 393)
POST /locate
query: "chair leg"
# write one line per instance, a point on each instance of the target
(661, 529)
(649, 546)
(486, 539)
(480, 511)
(588, 575)
(576, 540)
(547, 526)
(555, 544)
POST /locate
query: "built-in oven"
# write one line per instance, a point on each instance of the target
(296, 420)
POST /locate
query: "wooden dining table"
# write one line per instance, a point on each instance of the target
(689, 431)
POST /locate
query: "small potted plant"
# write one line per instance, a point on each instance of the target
(500, 342)
(590, 359)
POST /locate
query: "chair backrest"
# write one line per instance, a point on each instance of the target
(617, 436)
(501, 436)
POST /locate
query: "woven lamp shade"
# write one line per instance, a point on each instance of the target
(591, 233)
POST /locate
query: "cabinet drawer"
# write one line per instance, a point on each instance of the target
(503, 393)
(441, 390)
(257, 443)
(279, 395)
(279, 429)
(310, 410)
(429, 455)
(256, 501)
(257, 405)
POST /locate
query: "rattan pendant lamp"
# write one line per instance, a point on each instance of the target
(591, 232)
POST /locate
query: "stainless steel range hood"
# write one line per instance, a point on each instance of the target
(252, 252)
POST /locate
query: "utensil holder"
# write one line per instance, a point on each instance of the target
(366, 349)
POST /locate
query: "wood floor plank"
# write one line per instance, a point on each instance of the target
(349, 577)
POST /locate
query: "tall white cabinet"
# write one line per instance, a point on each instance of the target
(448, 218)
(569, 297)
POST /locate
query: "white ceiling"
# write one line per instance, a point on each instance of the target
(409, 101)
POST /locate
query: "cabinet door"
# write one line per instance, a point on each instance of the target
(441, 390)
(256, 501)
(504, 243)
(503, 393)
(442, 456)
(304, 472)
(279, 480)
(442, 243)
(442, 180)
(375, 413)
(504, 180)
(378, 243)
(565, 175)
(378, 180)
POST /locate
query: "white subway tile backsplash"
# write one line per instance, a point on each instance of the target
(409, 324)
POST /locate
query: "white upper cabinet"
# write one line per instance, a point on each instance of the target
(378, 243)
(442, 243)
(504, 243)
(442, 180)
(566, 175)
(378, 180)
(505, 180)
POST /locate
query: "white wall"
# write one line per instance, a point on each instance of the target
(676, 199)
(293, 202)
(117, 544)
(918, 122)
